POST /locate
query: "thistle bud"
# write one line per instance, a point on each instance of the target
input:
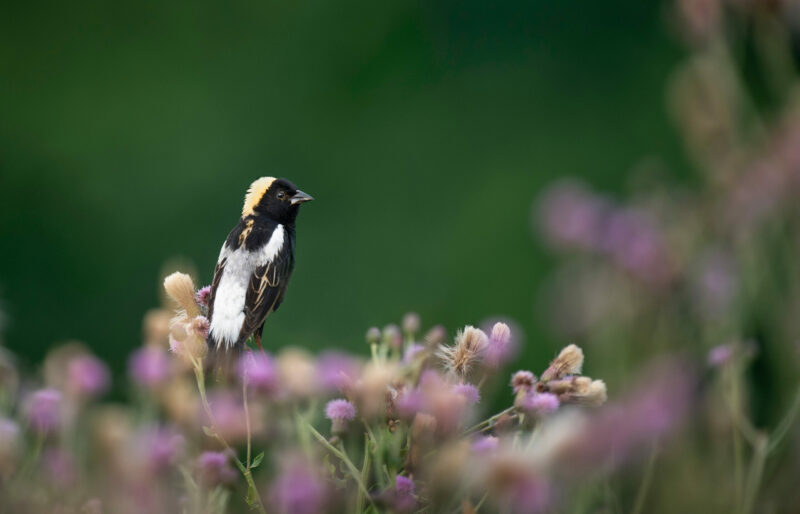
(411, 323)
(373, 335)
(340, 412)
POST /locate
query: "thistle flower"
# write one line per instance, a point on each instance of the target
(42, 410)
(149, 366)
(485, 444)
(404, 495)
(469, 392)
(411, 323)
(408, 403)
(540, 403)
(466, 351)
(523, 381)
(203, 295)
(340, 412)
(571, 216)
(411, 352)
(180, 287)
(160, 447)
(568, 362)
(199, 326)
(720, 355)
(335, 371)
(298, 490)
(214, 469)
(259, 371)
(87, 376)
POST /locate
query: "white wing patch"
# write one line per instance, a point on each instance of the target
(229, 299)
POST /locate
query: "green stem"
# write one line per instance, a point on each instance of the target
(343, 457)
(644, 487)
(246, 418)
(251, 485)
(755, 473)
(488, 422)
(365, 468)
(786, 423)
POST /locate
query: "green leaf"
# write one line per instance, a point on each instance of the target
(257, 461)
(208, 431)
(252, 496)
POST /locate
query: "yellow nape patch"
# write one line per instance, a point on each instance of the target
(255, 193)
(246, 232)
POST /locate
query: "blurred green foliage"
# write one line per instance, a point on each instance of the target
(129, 132)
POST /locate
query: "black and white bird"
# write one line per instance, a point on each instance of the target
(255, 264)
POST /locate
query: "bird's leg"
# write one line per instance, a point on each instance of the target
(257, 337)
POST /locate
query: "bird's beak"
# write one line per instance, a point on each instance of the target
(300, 197)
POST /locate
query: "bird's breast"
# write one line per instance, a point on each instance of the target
(230, 296)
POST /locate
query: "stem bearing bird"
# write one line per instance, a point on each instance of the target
(255, 263)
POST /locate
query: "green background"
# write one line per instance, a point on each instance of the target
(129, 132)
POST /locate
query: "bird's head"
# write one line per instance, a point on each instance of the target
(275, 198)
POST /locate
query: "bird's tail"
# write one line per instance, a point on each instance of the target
(222, 360)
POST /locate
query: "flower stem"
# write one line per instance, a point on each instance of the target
(480, 427)
(343, 457)
(644, 487)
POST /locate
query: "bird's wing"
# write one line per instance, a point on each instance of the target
(265, 292)
(214, 285)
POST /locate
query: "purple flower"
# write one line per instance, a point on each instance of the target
(200, 326)
(228, 410)
(715, 284)
(340, 412)
(42, 410)
(149, 366)
(411, 351)
(540, 403)
(637, 245)
(259, 371)
(523, 381)
(404, 497)
(485, 444)
(336, 371)
(202, 296)
(570, 216)
(214, 468)
(161, 447)
(720, 355)
(529, 495)
(297, 490)
(87, 376)
(409, 403)
(469, 392)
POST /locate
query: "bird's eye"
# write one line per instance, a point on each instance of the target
(281, 195)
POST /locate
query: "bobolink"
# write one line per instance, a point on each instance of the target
(255, 264)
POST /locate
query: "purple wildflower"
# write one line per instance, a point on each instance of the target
(411, 352)
(523, 381)
(161, 448)
(149, 366)
(200, 326)
(42, 410)
(469, 392)
(720, 355)
(340, 412)
(409, 403)
(485, 444)
(297, 490)
(336, 371)
(87, 376)
(540, 403)
(214, 468)
(202, 296)
(404, 496)
(570, 216)
(259, 370)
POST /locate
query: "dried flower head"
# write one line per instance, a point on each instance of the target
(466, 351)
(180, 287)
(436, 335)
(199, 327)
(586, 391)
(568, 362)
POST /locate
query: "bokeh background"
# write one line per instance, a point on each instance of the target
(129, 132)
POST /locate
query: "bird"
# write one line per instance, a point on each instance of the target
(254, 264)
